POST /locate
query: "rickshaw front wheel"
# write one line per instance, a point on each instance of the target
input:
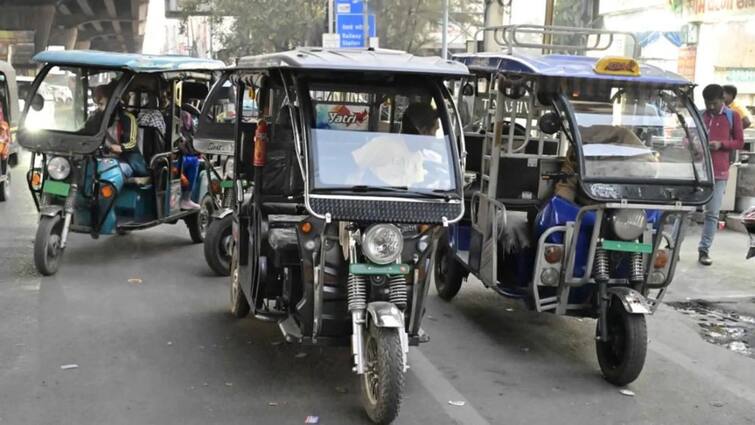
(382, 383)
(47, 250)
(449, 273)
(218, 245)
(622, 357)
(197, 223)
(239, 304)
(5, 184)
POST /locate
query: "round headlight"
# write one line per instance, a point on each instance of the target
(382, 243)
(58, 168)
(629, 224)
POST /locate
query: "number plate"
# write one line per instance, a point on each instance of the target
(622, 246)
(56, 188)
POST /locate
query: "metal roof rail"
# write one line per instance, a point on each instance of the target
(509, 37)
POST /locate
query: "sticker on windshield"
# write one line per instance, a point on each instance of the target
(337, 116)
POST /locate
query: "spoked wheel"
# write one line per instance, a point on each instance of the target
(197, 223)
(5, 188)
(218, 245)
(383, 379)
(622, 357)
(239, 304)
(449, 273)
(47, 250)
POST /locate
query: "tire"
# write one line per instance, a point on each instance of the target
(197, 223)
(47, 251)
(449, 273)
(622, 357)
(382, 383)
(5, 189)
(239, 304)
(218, 247)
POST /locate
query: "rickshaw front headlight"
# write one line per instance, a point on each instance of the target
(59, 168)
(628, 224)
(382, 243)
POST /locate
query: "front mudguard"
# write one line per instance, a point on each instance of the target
(385, 315)
(51, 210)
(222, 213)
(632, 301)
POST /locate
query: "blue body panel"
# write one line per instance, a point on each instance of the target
(109, 171)
(127, 61)
(563, 66)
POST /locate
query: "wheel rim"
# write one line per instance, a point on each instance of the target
(53, 246)
(204, 219)
(442, 268)
(226, 247)
(372, 371)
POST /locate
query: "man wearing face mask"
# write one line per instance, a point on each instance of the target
(122, 135)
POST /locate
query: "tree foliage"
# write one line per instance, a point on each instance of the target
(261, 26)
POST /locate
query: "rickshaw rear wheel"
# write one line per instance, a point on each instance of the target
(218, 246)
(239, 304)
(198, 223)
(47, 250)
(622, 357)
(382, 383)
(449, 273)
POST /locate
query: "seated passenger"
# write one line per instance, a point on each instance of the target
(122, 135)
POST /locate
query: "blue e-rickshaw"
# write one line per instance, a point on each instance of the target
(580, 173)
(76, 177)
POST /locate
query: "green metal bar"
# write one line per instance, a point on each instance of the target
(56, 188)
(374, 269)
(622, 246)
(225, 184)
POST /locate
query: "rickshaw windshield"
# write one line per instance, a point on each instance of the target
(70, 100)
(379, 137)
(639, 133)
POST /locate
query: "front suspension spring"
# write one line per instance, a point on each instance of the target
(357, 292)
(637, 268)
(601, 269)
(397, 287)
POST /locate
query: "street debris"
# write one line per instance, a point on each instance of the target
(719, 326)
(312, 420)
(626, 392)
(526, 349)
(229, 384)
(272, 403)
(278, 342)
(458, 403)
(170, 342)
(509, 309)
(300, 355)
(717, 403)
(135, 281)
(69, 366)
(341, 390)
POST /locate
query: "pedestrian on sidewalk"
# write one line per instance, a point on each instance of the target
(725, 135)
(730, 93)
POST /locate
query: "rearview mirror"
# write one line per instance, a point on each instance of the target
(549, 123)
(37, 102)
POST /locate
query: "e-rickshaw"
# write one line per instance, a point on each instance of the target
(8, 121)
(79, 180)
(218, 149)
(581, 172)
(346, 169)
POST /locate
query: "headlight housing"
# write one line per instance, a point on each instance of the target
(628, 224)
(383, 243)
(59, 168)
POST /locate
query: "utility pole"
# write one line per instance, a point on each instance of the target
(366, 23)
(330, 16)
(445, 30)
(547, 36)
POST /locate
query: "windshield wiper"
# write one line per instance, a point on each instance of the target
(435, 193)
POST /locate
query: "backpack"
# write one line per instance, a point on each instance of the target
(730, 118)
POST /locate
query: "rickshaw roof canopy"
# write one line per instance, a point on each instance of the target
(563, 66)
(377, 60)
(126, 61)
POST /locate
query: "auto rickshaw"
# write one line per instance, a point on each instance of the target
(581, 172)
(79, 180)
(346, 168)
(8, 121)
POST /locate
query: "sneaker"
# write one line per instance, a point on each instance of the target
(704, 259)
(188, 204)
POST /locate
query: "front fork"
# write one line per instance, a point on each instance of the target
(357, 301)
(68, 210)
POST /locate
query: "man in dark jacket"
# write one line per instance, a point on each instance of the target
(725, 135)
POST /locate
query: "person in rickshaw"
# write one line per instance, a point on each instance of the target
(122, 137)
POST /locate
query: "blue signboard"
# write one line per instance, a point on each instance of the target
(351, 29)
(349, 6)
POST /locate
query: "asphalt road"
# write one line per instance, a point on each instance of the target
(161, 348)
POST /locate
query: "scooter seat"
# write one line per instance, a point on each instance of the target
(140, 181)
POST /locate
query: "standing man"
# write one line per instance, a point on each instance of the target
(724, 136)
(730, 93)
